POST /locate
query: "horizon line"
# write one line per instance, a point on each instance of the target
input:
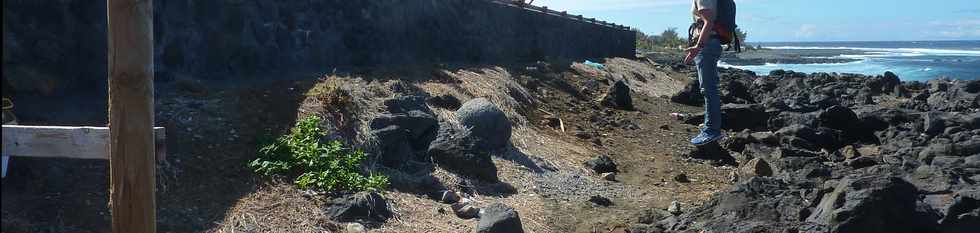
(831, 41)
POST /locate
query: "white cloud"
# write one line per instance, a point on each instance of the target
(957, 23)
(806, 31)
(956, 29)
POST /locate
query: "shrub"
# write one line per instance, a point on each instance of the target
(316, 165)
(330, 93)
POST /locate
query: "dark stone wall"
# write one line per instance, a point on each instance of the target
(55, 45)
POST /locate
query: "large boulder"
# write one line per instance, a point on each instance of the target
(690, 95)
(393, 145)
(807, 137)
(737, 117)
(847, 122)
(445, 101)
(931, 179)
(402, 136)
(934, 122)
(840, 118)
(404, 104)
(735, 89)
(601, 164)
(405, 131)
(487, 122)
(712, 152)
(784, 119)
(938, 85)
(944, 148)
(618, 96)
(361, 206)
(882, 118)
(889, 82)
(759, 204)
(953, 95)
(744, 116)
(499, 218)
(419, 127)
(869, 204)
(963, 213)
(459, 151)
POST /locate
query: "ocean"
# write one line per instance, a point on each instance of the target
(910, 60)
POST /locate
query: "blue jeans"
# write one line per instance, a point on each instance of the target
(707, 62)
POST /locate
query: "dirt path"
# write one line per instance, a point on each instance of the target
(648, 145)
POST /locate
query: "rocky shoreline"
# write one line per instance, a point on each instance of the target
(795, 56)
(840, 153)
(559, 148)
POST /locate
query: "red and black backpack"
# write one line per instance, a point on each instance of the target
(724, 26)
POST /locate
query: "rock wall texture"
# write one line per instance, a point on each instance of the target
(50, 45)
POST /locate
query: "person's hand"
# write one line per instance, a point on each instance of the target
(691, 53)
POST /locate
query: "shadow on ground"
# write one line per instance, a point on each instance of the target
(213, 131)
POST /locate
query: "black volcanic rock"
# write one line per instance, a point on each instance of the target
(907, 157)
(618, 96)
(601, 164)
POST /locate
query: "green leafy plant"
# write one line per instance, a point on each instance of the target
(316, 165)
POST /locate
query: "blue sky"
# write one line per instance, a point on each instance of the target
(802, 20)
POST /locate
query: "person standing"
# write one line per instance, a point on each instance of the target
(705, 54)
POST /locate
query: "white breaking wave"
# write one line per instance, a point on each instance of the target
(892, 51)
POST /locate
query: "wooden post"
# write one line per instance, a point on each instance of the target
(131, 159)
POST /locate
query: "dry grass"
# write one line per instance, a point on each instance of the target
(277, 208)
(642, 77)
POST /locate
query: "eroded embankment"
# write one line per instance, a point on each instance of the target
(559, 123)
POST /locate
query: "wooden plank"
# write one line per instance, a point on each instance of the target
(66, 142)
(132, 171)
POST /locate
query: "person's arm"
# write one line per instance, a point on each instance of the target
(703, 36)
(709, 24)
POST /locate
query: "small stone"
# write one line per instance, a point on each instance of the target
(681, 178)
(765, 137)
(665, 127)
(355, 228)
(360, 206)
(610, 176)
(449, 197)
(499, 218)
(601, 164)
(649, 216)
(757, 167)
(674, 208)
(952, 130)
(600, 200)
(733, 177)
(465, 210)
(868, 150)
(849, 152)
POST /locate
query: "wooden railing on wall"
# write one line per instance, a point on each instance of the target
(563, 14)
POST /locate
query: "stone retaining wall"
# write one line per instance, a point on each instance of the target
(53, 45)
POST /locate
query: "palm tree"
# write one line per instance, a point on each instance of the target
(741, 37)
